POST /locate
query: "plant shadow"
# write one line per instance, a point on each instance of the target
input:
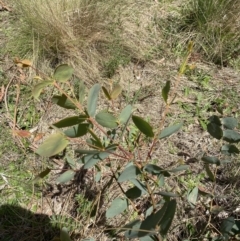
(17, 223)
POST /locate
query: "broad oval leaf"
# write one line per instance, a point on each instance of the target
(64, 236)
(133, 227)
(95, 141)
(77, 130)
(41, 175)
(98, 176)
(99, 157)
(227, 225)
(44, 173)
(147, 238)
(87, 151)
(192, 196)
(63, 101)
(118, 206)
(211, 160)
(129, 173)
(117, 89)
(139, 185)
(134, 193)
(92, 99)
(125, 114)
(209, 172)
(71, 162)
(167, 194)
(168, 131)
(156, 170)
(81, 91)
(165, 90)
(66, 176)
(180, 168)
(167, 219)
(215, 130)
(231, 136)
(63, 73)
(148, 226)
(70, 121)
(56, 143)
(38, 88)
(229, 149)
(105, 91)
(143, 126)
(215, 119)
(230, 122)
(106, 119)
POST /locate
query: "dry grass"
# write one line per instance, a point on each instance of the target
(94, 37)
(214, 25)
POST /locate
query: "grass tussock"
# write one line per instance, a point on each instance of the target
(94, 36)
(214, 25)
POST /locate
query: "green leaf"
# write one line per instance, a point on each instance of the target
(167, 194)
(179, 168)
(77, 130)
(106, 119)
(70, 121)
(125, 114)
(215, 119)
(41, 175)
(143, 126)
(56, 143)
(92, 99)
(66, 176)
(134, 193)
(87, 151)
(105, 91)
(38, 88)
(63, 101)
(118, 206)
(168, 131)
(98, 176)
(165, 90)
(192, 196)
(133, 227)
(99, 157)
(147, 238)
(148, 226)
(63, 73)
(95, 141)
(211, 160)
(71, 162)
(156, 170)
(227, 225)
(129, 173)
(215, 130)
(81, 92)
(230, 122)
(160, 180)
(231, 136)
(117, 89)
(229, 149)
(209, 172)
(139, 185)
(167, 219)
(64, 236)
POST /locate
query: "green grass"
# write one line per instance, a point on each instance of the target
(214, 27)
